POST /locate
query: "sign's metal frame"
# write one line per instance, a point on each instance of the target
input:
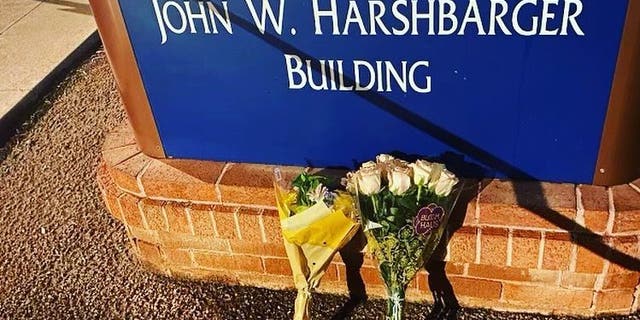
(115, 39)
(618, 157)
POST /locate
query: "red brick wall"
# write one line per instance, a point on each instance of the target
(211, 220)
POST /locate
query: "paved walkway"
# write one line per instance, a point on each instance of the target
(35, 36)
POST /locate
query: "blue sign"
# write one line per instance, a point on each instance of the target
(520, 87)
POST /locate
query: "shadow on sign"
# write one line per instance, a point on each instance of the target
(579, 234)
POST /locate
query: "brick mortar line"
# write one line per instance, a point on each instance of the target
(131, 192)
(113, 165)
(134, 245)
(214, 223)
(541, 251)
(124, 219)
(634, 187)
(573, 257)
(625, 234)
(612, 212)
(199, 202)
(509, 247)
(600, 282)
(502, 298)
(478, 246)
(229, 204)
(182, 201)
(263, 232)
(207, 203)
(549, 285)
(580, 212)
(226, 251)
(263, 263)
(226, 167)
(477, 221)
(614, 234)
(559, 278)
(524, 228)
(187, 213)
(236, 222)
(594, 296)
(103, 150)
(139, 178)
(163, 256)
(517, 228)
(145, 223)
(580, 219)
(477, 211)
(635, 305)
(163, 211)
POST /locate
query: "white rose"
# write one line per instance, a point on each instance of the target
(384, 158)
(369, 181)
(369, 165)
(399, 180)
(421, 172)
(445, 184)
(436, 170)
(399, 163)
(348, 183)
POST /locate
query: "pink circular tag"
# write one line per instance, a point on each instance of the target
(428, 219)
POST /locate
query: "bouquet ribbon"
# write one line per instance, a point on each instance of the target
(397, 302)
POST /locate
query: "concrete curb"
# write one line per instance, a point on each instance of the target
(11, 122)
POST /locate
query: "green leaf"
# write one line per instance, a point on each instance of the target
(305, 183)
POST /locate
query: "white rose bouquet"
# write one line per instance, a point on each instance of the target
(404, 208)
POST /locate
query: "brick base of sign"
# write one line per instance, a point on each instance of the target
(520, 246)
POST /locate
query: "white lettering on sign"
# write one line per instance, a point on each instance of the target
(386, 18)
(266, 11)
(406, 17)
(384, 76)
(177, 24)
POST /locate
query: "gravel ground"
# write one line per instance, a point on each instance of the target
(63, 257)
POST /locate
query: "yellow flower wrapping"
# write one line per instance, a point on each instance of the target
(312, 236)
(319, 225)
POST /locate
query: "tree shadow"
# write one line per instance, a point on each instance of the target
(445, 303)
(580, 235)
(71, 6)
(353, 259)
(352, 254)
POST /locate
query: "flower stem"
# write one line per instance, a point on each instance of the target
(374, 200)
(395, 303)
